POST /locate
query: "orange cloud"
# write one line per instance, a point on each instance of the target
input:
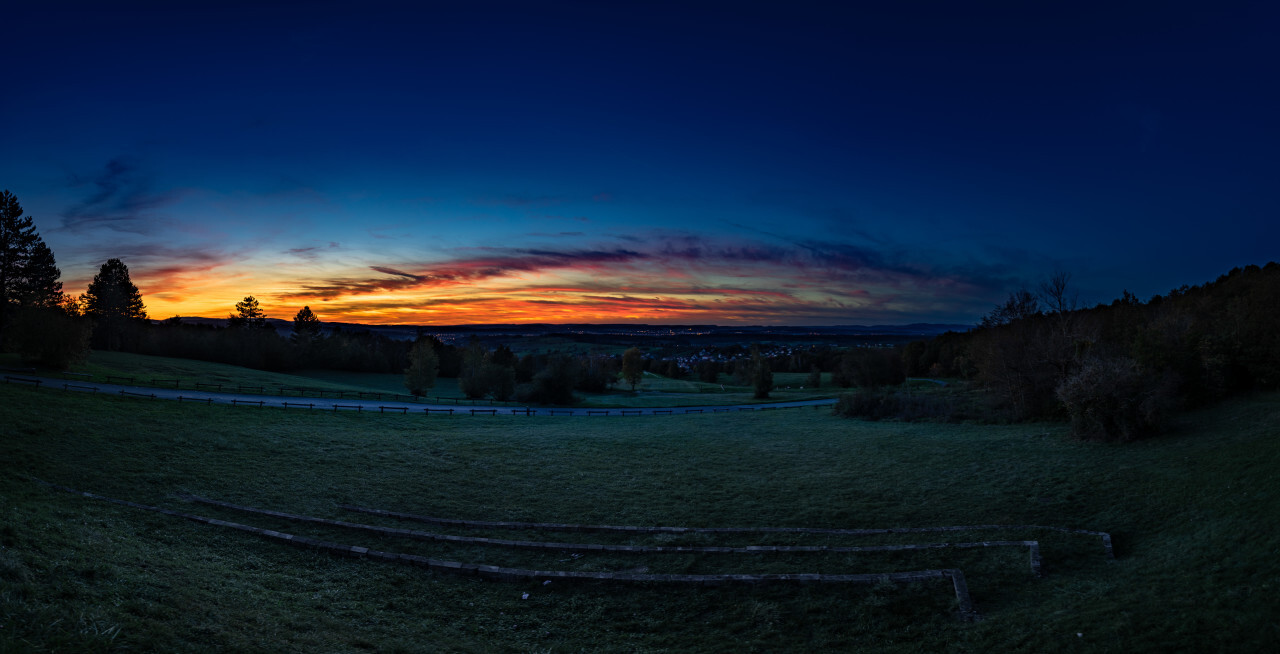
(687, 282)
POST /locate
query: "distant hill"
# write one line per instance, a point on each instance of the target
(407, 332)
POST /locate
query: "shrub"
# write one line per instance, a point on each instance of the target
(553, 384)
(868, 368)
(420, 376)
(875, 404)
(867, 404)
(815, 378)
(597, 374)
(1113, 400)
(488, 379)
(50, 337)
(761, 376)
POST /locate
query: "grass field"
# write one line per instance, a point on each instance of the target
(144, 369)
(1192, 515)
(654, 390)
(383, 382)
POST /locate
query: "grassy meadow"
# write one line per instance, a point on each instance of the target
(1192, 515)
(653, 390)
(146, 370)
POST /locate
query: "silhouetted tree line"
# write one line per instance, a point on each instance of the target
(498, 373)
(37, 320)
(265, 349)
(536, 378)
(849, 366)
(1117, 371)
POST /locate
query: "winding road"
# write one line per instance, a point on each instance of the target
(380, 406)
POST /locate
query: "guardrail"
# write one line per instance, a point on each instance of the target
(281, 390)
(474, 410)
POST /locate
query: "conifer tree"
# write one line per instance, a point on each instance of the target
(112, 300)
(28, 274)
(306, 327)
(112, 294)
(248, 314)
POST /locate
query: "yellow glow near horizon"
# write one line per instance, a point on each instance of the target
(480, 290)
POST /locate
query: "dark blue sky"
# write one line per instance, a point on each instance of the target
(657, 162)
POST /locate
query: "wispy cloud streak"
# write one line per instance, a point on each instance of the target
(466, 271)
(120, 199)
(663, 278)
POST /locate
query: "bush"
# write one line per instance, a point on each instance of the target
(1113, 400)
(815, 378)
(871, 404)
(488, 379)
(869, 368)
(913, 406)
(553, 384)
(761, 376)
(420, 376)
(597, 374)
(867, 404)
(50, 337)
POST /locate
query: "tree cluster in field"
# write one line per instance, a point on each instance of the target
(1116, 371)
(535, 378)
(744, 365)
(248, 340)
(37, 319)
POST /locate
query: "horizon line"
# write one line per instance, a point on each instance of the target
(600, 324)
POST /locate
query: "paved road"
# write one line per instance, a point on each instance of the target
(331, 404)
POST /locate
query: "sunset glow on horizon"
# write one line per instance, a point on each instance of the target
(659, 286)
(821, 164)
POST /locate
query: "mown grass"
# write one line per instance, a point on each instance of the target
(1192, 515)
